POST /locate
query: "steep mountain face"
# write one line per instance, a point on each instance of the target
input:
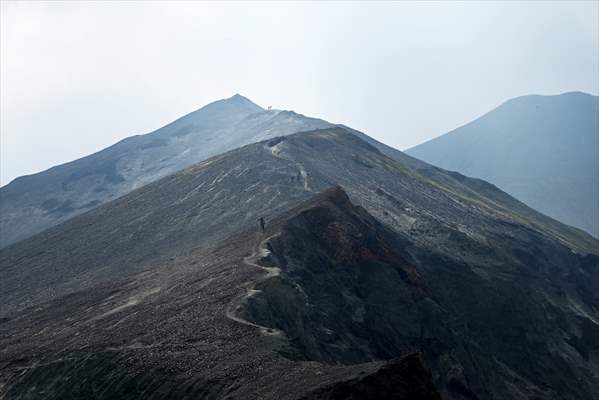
(349, 290)
(174, 289)
(543, 150)
(33, 203)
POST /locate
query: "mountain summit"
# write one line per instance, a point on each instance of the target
(543, 150)
(30, 204)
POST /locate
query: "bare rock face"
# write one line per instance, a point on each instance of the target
(352, 290)
(340, 271)
(173, 290)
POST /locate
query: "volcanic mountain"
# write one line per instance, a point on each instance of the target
(543, 150)
(371, 272)
(33, 203)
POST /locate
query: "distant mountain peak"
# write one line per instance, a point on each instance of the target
(541, 149)
(577, 93)
(235, 107)
(533, 99)
(236, 100)
(241, 98)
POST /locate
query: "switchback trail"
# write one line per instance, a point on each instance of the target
(259, 252)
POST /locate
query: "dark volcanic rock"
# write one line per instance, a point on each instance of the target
(350, 290)
(343, 276)
(165, 334)
(404, 379)
(208, 202)
(154, 295)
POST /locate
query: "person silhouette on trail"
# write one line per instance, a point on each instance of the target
(262, 223)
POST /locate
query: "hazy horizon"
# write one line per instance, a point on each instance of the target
(403, 73)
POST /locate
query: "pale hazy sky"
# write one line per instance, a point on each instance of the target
(77, 77)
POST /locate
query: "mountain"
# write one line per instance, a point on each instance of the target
(30, 204)
(33, 203)
(543, 150)
(373, 278)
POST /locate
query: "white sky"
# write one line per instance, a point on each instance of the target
(77, 77)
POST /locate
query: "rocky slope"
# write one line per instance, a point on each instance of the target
(350, 290)
(157, 294)
(165, 334)
(33, 203)
(543, 150)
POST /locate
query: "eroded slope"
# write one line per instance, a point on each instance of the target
(501, 307)
(349, 290)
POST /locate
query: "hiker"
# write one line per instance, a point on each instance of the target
(262, 223)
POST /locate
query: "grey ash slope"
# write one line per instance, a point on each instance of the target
(204, 203)
(33, 203)
(141, 286)
(543, 150)
(165, 334)
(350, 290)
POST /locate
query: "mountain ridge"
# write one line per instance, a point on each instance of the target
(237, 98)
(133, 296)
(543, 150)
(35, 202)
(200, 180)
